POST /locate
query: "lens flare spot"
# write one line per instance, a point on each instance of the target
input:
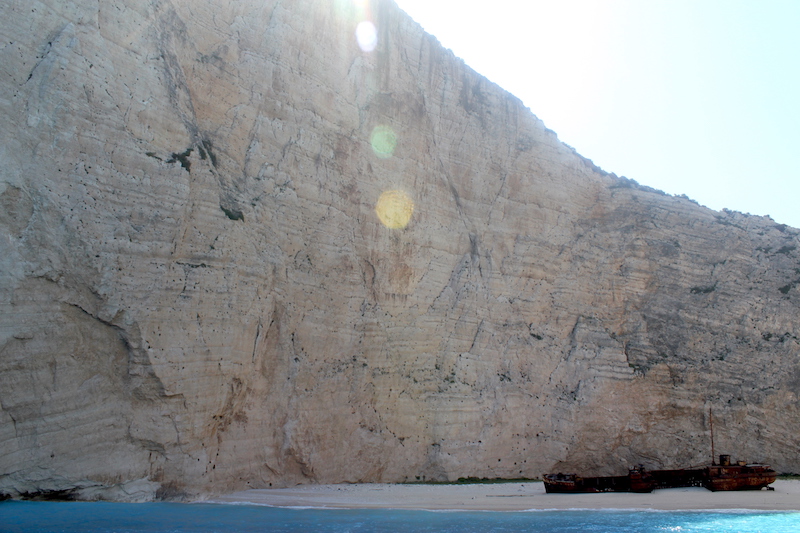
(383, 141)
(394, 209)
(367, 36)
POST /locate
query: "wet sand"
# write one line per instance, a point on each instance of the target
(512, 497)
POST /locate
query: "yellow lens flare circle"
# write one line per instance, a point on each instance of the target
(383, 141)
(394, 209)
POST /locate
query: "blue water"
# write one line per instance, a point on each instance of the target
(169, 517)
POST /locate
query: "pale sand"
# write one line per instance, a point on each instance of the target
(512, 497)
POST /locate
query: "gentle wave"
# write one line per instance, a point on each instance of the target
(534, 510)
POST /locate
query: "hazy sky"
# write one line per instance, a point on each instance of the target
(695, 97)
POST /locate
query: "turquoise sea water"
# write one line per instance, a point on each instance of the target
(166, 517)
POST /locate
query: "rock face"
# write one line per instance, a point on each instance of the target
(200, 292)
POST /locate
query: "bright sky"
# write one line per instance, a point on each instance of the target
(695, 97)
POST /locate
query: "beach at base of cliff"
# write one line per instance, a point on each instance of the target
(511, 496)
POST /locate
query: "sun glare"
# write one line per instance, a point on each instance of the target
(367, 36)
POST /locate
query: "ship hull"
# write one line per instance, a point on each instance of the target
(748, 477)
(724, 477)
(565, 483)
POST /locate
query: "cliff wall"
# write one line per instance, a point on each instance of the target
(239, 251)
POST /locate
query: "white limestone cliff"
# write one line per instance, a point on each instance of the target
(197, 294)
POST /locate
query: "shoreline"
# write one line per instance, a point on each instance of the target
(513, 496)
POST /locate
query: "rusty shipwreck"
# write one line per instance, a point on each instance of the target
(724, 475)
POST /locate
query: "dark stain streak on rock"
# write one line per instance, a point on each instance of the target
(209, 147)
(233, 214)
(183, 158)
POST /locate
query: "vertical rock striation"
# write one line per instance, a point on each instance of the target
(198, 296)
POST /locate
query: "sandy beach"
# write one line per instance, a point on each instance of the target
(512, 497)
